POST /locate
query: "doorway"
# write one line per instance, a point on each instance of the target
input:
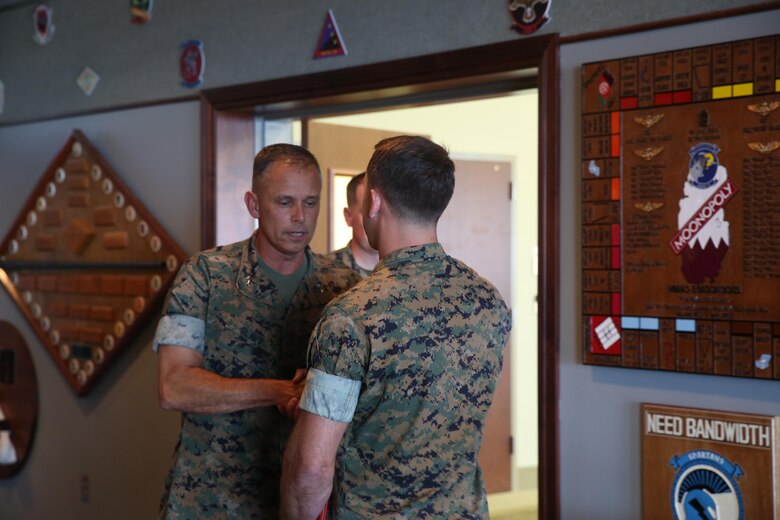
(463, 74)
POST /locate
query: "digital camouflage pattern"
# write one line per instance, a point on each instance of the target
(425, 336)
(229, 465)
(344, 256)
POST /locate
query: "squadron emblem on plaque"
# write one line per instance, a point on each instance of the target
(705, 487)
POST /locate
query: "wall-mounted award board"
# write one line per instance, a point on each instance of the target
(18, 401)
(86, 263)
(680, 194)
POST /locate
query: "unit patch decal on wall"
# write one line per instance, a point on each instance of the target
(86, 263)
(43, 24)
(705, 464)
(528, 16)
(87, 81)
(330, 43)
(192, 63)
(141, 11)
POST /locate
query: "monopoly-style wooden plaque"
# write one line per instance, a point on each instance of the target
(86, 263)
(704, 464)
(680, 195)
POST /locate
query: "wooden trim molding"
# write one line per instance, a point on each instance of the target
(549, 274)
(514, 65)
(208, 178)
(662, 24)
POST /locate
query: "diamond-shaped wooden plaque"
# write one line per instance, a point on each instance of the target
(86, 263)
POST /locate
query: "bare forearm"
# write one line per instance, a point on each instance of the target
(309, 464)
(304, 494)
(193, 389)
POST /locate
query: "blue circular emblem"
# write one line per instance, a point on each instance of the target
(705, 487)
(703, 165)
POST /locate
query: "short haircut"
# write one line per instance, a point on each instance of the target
(415, 175)
(352, 188)
(289, 153)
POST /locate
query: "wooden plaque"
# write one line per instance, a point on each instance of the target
(18, 396)
(703, 464)
(86, 263)
(680, 181)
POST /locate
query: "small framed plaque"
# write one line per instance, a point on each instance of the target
(708, 464)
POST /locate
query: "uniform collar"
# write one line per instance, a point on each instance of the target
(404, 255)
(252, 280)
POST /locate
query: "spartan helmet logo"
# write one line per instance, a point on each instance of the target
(705, 488)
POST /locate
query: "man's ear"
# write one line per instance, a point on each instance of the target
(252, 205)
(376, 203)
(348, 217)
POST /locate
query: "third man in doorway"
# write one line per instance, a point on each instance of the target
(358, 253)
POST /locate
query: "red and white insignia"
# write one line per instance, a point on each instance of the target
(529, 15)
(43, 25)
(192, 62)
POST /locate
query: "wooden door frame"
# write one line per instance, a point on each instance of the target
(430, 73)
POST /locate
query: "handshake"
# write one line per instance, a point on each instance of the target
(290, 394)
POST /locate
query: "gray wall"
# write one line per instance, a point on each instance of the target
(252, 40)
(599, 407)
(117, 436)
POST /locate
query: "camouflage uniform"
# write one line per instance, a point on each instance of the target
(415, 350)
(346, 257)
(223, 305)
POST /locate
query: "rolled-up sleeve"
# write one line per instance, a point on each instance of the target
(329, 396)
(182, 331)
(183, 323)
(338, 358)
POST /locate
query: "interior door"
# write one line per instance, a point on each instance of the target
(476, 228)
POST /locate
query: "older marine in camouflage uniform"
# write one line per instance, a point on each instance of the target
(345, 256)
(402, 368)
(227, 465)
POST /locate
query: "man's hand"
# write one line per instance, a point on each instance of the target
(290, 398)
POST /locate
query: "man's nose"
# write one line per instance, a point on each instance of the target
(298, 213)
